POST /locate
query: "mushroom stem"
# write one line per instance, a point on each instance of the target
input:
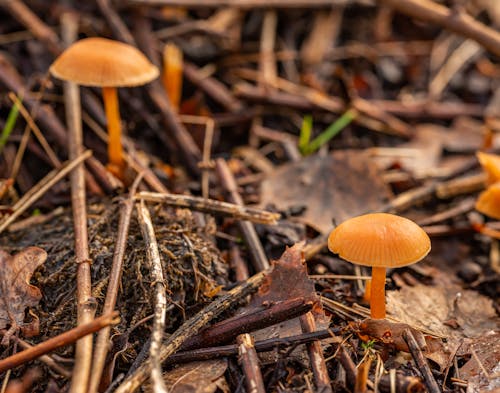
(116, 163)
(377, 301)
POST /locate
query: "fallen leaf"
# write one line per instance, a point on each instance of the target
(16, 293)
(485, 358)
(336, 187)
(288, 280)
(196, 377)
(435, 307)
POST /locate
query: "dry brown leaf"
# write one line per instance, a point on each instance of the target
(16, 293)
(336, 187)
(446, 310)
(482, 371)
(288, 280)
(196, 377)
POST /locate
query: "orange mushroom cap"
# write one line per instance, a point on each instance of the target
(379, 240)
(491, 165)
(101, 62)
(488, 202)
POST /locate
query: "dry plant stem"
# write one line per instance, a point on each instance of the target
(46, 117)
(191, 327)
(316, 357)
(50, 362)
(251, 4)
(229, 329)
(59, 341)
(115, 151)
(256, 250)
(377, 294)
(36, 131)
(250, 364)
(456, 21)
(160, 308)
(260, 346)
(212, 87)
(421, 362)
(119, 28)
(85, 310)
(211, 206)
(362, 376)
(267, 64)
(35, 25)
(102, 342)
(185, 142)
(40, 188)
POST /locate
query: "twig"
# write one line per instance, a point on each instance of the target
(46, 118)
(248, 230)
(421, 363)
(260, 346)
(155, 266)
(59, 341)
(41, 187)
(191, 327)
(23, 14)
(50, 362)
(267, 63)
(316, 357)
(102, 345)
(212, 87)
(185, 143)
(250, 364)
(85, 301)
(119, 28)
(454, 20)
(228, 329)
(54, 160)
(211, 206)
(251, 4)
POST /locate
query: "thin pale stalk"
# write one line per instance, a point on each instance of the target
(101, 346)
(160, 308)
(85, 302)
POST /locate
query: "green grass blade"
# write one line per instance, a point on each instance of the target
(334, 128)
(305, 133)
(9, 126)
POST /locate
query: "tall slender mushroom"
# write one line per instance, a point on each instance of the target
(381, 241)
(108, 64)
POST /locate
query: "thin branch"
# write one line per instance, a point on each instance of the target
(85, 302)
(457, 21)
(255, 248)
(191, 327)
(59, 341)
(250, 364)
(102, 342)
(160, 308)
(41, 188)
(211, 206)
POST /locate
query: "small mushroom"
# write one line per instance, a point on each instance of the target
(491, 165)
(488, 202)
(381, 241)
(108, 64)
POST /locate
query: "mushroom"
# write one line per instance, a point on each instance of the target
(491, 165)
(379, 240)
(172, 73)
(108, 64)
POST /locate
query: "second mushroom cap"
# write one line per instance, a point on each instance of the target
(380, 239)
(102, 62)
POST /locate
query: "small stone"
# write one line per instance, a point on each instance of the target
(469, 271)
